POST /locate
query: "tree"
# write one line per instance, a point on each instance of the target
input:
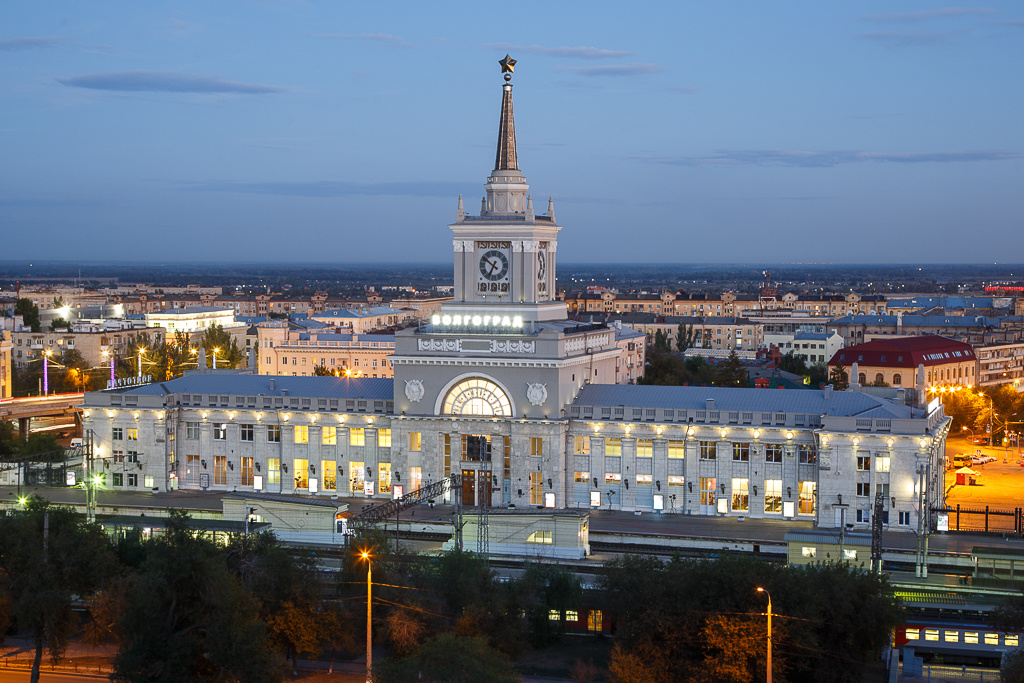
(59, 324)
(838, 378)
(661, 341)
(322, 371)
(29, 312)
(190, 618)
(226, 347)
(733, 373)
(448, 658)
(49, 558)
(684, 337)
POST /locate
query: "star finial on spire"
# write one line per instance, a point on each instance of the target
(508, 65)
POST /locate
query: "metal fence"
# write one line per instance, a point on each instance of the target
(985, 520)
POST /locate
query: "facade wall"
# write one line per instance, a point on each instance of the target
(95, 347)
(6, 348)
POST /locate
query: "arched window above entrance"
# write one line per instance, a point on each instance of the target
(477, 397)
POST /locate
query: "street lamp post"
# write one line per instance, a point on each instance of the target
(369, 615)
(769, 669)
(215, 359)
(46, 375)
(140, 365)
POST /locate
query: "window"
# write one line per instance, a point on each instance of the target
(581, 445)
(970, 637)
(553, 614)
(329, 436)
(415, 441)
(220, 431)
(882, 463)
(676, 480)
(708, 450)
(536, 446)
(329, 474)
(933, 634)
(676, 449)
(148, 481)
(644, 448)
(356, 436)
(740, 494)
(220, 470)
(300, 471)
(644, 480)
(850, 555)
(118, 479)
(117, 433)
(595, 621)
(132, 433)
(246, 471)
(301, 435)
(612, 478)
(808, 551)
(357, 477)
(863, 463)
(904, 518)
(245, 432)
(863, 489)
(741, 452)
(118, 455)
(582, 477)
(274, 434)
(191, 469)
(773, 495)
(415, 478)
(991, 638)
(133, 480)
(897, 380)
(913, 634)
(808, 455)
(384, 477)
(536, 488)
(1008, 640)
(191, 430)
(773, 452)
(807, 493)
(613, 447)
(572, 615)
(540, 537)
(273, 470)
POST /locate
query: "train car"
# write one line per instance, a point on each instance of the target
(974, 644)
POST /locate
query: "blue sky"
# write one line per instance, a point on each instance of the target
(686, 132)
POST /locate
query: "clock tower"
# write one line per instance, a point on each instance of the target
(505, 257)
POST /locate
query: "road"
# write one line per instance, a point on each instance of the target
(24, 675)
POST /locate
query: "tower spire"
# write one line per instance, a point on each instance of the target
(506, 158)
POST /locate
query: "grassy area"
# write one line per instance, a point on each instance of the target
(558, 661)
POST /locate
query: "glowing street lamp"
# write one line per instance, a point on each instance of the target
(46, 375)
(369, 616)
(215, 358)
(765, 591)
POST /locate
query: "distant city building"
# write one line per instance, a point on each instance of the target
(709, 333)
(285, 349)
(192, 319)
(361, 321)
(6, 349)
(1000, 364)
(97, 343)
(895, 361)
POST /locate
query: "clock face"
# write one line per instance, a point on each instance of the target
(493, 265)
(542, 263)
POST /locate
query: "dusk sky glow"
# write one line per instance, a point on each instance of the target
(744, 132)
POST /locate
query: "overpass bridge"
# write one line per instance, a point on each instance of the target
(55, 405)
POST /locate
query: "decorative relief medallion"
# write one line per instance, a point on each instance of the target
(512, 346)
(414, 390)
(537, 393)
(438, 344)
(824, 461)
(496, 345)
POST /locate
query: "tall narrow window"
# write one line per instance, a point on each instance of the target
(300, 468)
(329, 436)
(384, 477)
(357, 477)
(644, 448)
(329, 474)
(356, 436)
(536, 446)
(220, 470)
(773, 495)
(536, 488)
(273, 470)
(415, 441)
(301, 435)
(741, 452)
(676, 449)
(807, 491)
(708, 450)
(740, 494)
(581, 445)
(384, 438)
(613, 447)
(246, 472)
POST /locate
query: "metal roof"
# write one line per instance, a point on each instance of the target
(811, 401)
(367, 388)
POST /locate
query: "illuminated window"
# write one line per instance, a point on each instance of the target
(849, 554)
(415, 477)
(356, 437)
(330, 436)
(329, 474)
(675, 449)
(676, 480)
(971, 637)
(740, 494)
(384, 438)
(1010, 641)
(809, 551)
(357, 477)
(572, 615)
(273, 470)
(477, 397)
(384, 477)
(300, 468)
(536, 446)
(612, 478)
(595, 621)
(952, 636)
(807, 495)
(807, 455)
(301, 434)
(915, 634)
(882, 463)
(708, 450)
(581, 445)
(643, 480)
(613, 447)
(644, 448)
(246, 472)
(132, 434)
(863, 463)
(773, 452)
(582, 477)
(554, 615)
(220, 470)
(773, 495)
(932, 634)
(540, 537)
(415, 441)
(991, 638)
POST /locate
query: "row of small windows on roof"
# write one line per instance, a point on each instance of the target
(696, 416)
(271, 402)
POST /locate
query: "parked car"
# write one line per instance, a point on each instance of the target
(981, 440)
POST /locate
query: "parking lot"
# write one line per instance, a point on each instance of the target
(998, 484)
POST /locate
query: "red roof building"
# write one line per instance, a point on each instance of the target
(895, 361)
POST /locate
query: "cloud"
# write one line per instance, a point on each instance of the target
(901, 39)
(385, 38)
(163, 81)
(582, 52)
(634, 69)
(827, 159)
(927, 15)
(334, 188)
(1016, 23)
(29, 43)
